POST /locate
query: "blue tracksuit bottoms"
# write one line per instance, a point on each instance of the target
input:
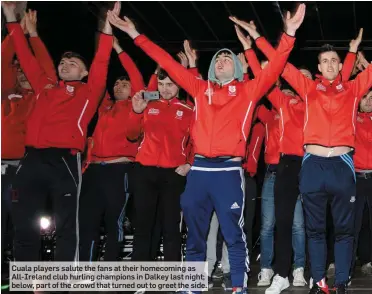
(216, 186)
(322, 180)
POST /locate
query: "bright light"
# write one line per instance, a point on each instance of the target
(44, 223)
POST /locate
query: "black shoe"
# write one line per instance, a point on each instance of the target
(226, 282)
(317, 290)
(341, 289)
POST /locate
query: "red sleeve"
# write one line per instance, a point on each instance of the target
(136, 80)
(348, 65)
(98, 71)
(194, 71)
(178, 73)
(34, 73)
(8, 72)
(153, 83)
(263, 114)
(253, 61)
(135, 125)
(269, 75)
(245, 77)
(255, 144)
(106, 102)
(363, 82)
(290, 73)
(43, 57)
(190, 152)
(276, 97)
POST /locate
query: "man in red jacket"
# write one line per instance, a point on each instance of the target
(223, 113)
(55, 136)
(107, 180)
(363, 169)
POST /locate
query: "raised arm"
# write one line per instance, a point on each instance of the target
(178, 73)
(38, 47)
(268, 76)
(8, 71)
(153, 83)
(363, 82)
(348, 65)
(135, 76)
(263, 114)
(30, 66)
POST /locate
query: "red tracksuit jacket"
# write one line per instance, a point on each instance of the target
(270, 119)
(61, 112)
(110, 135)
(254, 149)
(330, 108)
(16, 104)
(164, 126)
(291, 109)
(223, 114)
(363, 142)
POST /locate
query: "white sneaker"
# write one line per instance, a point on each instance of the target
(298, 277)
(311, 283)
(278, 285)
(331, 271)
(264, 277)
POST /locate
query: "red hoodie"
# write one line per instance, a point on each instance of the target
(330, 108)
(110, 135)
(63, 111)
(223, 114)
(16, 104)
(270, 119)
(363, 142)
(254, 149)
(164, 126)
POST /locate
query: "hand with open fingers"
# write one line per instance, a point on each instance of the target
(9, 10)
(31, 22)
(250, 27)
(183, 169)
(107, 29)
(246, 41)
(183, 59)
(291, 24)
(125, 24)
(190, 53)
(23, 24)
(138, 103)
(354, 44)
(244, 62)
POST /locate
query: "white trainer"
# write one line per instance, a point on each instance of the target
(264, 277)
(278, 285)
(298, 277)
(331, 271)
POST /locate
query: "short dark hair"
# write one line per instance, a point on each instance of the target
(123, 78)
(224, 52)
(162, 75)
(71, 54)
(327, 48)
(304, 68)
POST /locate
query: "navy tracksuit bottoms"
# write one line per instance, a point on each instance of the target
(322, 180)
(216, 186)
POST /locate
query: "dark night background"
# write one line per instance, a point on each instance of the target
(72, 26)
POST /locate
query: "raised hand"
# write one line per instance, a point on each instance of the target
(291, 24)
(125, 24)
(250, 27)
(246, 41)
(23, 24)
(183, 59)
(244, 62)
(107, 29)
(190, 53)
(31, 22)
(138, 103)
(9, 10)
(354, 44)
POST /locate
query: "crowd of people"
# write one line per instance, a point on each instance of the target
(194, 157)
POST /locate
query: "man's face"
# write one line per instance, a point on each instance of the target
(167, 88)
(306, 73)
(224, 67)
(72, 69)
(366, 103)
(122, 89)
(329, 65)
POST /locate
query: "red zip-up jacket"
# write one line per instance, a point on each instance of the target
(330, 107)
(223, 114)
(63, 111)
(16, 104)
(291, 109)
(363, 142)
(254, 149)
(270, 119)
(110, 135)
(164, 126)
